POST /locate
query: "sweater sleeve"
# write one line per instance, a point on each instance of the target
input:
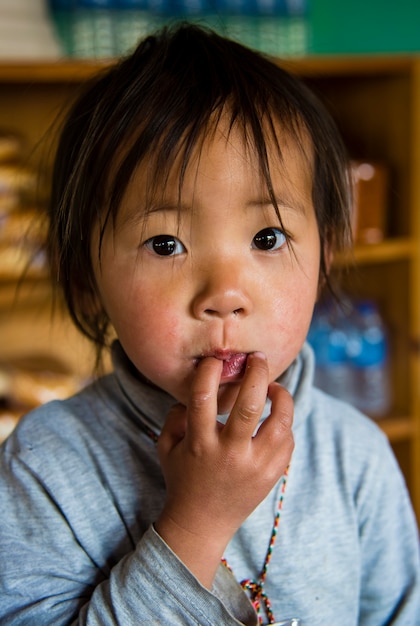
(153, 583)
(47, 576)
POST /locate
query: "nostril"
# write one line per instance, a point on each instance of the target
(213, 312)
(219, 302)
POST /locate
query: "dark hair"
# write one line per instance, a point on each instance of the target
(160, 102)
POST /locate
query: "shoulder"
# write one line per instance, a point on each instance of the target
(341, 421)
(347, 445)
(346, 460)
(63, 428)
(319, 415)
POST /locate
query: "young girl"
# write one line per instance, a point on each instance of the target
(199, 194)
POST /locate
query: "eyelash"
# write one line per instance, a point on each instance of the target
(168, 245)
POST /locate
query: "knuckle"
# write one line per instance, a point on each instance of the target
(285, 419)
(282, 434)
(199, 399)
(196, 449)
(273, 474)
(248, 412)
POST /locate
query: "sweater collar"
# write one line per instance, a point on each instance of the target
(150, 404)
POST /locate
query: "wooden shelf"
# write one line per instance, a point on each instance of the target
(351, 65)
(64, 71)
(15, 294)
(77, 70)
(389, 250)
(397, 428)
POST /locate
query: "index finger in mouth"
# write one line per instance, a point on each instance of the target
(251, 399)
(202, 405)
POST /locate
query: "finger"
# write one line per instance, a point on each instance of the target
(173, 431)
(251, 399)
(202, 406)
(277, 428)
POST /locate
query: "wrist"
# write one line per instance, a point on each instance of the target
(199, 551)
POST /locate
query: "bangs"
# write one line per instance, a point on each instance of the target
(183, 99)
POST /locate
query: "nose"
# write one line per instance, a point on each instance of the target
(222, 293)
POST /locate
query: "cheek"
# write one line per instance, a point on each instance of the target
(146, 318)
(291, 314)
(292, 308)
(289, 327)
(152, 339)
(149, 322)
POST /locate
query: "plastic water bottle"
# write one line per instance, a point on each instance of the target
(368, 353)
(328, 337)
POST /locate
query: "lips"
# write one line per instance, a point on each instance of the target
(233, 363)
(234, 366)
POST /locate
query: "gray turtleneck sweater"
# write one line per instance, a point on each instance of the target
(80, 487)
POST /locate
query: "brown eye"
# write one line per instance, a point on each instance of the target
(165, 245)
(269, 239)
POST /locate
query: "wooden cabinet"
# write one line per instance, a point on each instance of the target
(32, 98)
(376, 102)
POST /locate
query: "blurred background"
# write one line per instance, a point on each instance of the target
(48, 28)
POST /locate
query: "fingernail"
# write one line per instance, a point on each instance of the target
(259, 355)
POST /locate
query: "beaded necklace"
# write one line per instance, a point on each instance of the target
(255, 588)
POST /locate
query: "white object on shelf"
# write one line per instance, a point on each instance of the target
(27, 32)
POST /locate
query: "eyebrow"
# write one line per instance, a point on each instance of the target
(137, 215)
(283, 202)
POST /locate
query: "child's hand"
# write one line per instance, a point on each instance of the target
(217, 475)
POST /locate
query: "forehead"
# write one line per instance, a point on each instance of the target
(226, 153)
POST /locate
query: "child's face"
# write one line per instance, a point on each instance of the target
(217, 277)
